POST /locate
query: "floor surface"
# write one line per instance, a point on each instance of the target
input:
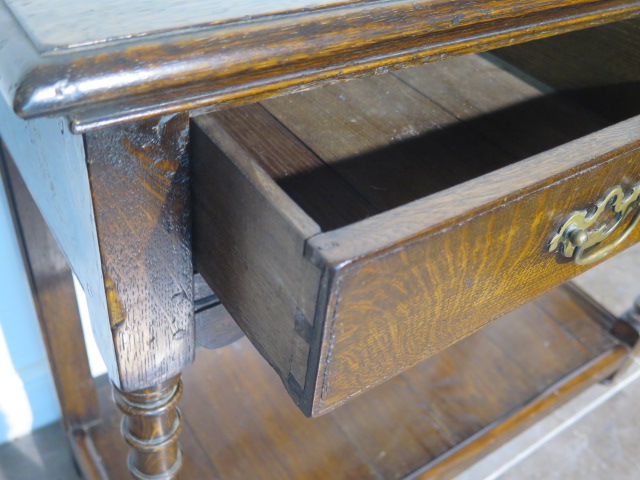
(44, 455)
(594, 437)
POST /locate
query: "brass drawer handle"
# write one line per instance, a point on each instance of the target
(579, 237)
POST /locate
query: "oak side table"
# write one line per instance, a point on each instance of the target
(135, 151)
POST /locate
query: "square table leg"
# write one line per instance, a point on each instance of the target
(135, 180)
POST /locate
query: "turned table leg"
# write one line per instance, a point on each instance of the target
(139, 184)
(151, 426)
(117, 202)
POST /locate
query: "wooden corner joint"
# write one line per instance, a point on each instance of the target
(151, 426)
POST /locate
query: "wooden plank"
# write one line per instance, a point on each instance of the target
(139, 185)
(381, 135)
(249, 241)
(216, 328)
(392, 431)
(88, 461)
(599, 67)
(443, 123)
(56, 305)
(250, 59)
(578, 307)
(403, 284)
(282, 452)
(478, 365)
(522, 119)
(455, 463)
(490, 191)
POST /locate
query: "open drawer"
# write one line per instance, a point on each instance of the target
(355, 230)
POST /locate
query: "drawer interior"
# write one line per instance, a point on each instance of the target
(375, 144)
(358, 229)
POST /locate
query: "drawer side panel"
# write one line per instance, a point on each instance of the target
(248, 244)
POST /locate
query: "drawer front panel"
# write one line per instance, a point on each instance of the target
(392, 303)
(338, 305)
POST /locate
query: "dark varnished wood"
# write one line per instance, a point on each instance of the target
(403, 284)
(139, 179)
(215, 327)
(248, 60)
(154, 262)
(253, 252)
(151, 426)
(296, 168)
(139, 185)
(448, 284)
(315, 293)
(89, 462)
(444, 413)
(54, 297)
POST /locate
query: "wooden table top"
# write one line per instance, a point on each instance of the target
(105, 62)
(68, 24)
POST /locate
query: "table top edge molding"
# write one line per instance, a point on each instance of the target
(220, 65)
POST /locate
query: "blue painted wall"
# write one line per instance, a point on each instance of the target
(27, 399)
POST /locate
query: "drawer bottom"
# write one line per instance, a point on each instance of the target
(432, 421)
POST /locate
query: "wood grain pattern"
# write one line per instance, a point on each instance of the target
(456, 462)
(249, 60)
(443, 124)
(139, 184)
(401, 285)
(299, 171)
(54, 298)
(428, 290)
(522, 119)
(380, 135)
(488, 387)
